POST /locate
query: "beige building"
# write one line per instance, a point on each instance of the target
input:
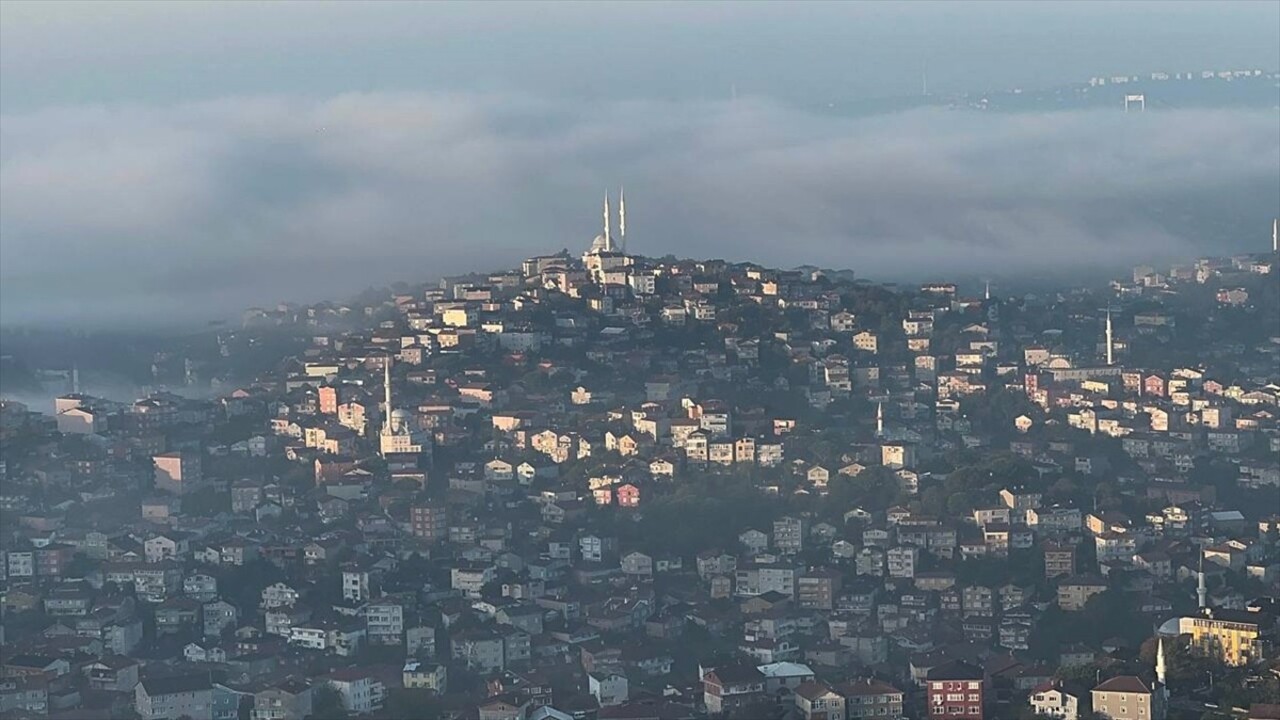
(817, 589)
(866, 341)
(80, 421)
(817, 701)
(425, 675)
(1059, 560)
(1126, 697)
(868, 697)
(898, 455)
(176, 472)
(1232, 637)
(1074, 593)
(1050, 700)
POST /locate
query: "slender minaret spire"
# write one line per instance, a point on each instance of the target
(1161, 679)
(1202, 590)
(386, 388)
(1160, 662)
(1275, 235)
(1110, 345)
(75, 379)
(622, 218)
(608, 243)
(987, 293)
(879, 419)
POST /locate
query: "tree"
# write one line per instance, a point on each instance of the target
(875, 488)
(205, 502)
(80, 565)
(959, 504)
(706, 512)
(410, 703)
(1079, 675)
(1186, 669)
(326, 704)
(1107, 614)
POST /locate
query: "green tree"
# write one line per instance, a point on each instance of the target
(411, 703)
(875, 488)
(326, 704)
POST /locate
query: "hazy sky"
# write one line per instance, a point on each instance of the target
(204, 157)
(70, 52)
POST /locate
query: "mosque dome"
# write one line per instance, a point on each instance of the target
(1170, 628)
(401, 419)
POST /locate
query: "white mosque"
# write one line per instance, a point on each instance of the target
(398, 436)
(606, 262)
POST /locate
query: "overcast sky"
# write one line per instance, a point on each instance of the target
(189, 159)
(72, 52)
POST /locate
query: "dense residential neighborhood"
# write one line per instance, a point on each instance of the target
(608, 487)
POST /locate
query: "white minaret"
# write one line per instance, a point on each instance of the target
(1110, 346)
(1202, 590)
(1275, 235)
(879, 419)
(608, 243)
(75, 379)
(386, 389)
(622, 218)
(1161, 669)
(1160, 661)
(987, 293)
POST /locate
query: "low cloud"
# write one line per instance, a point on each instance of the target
(129, 214)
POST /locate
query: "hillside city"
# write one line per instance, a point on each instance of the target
(604, 486)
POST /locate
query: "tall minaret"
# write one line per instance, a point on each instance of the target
(1110, 345)
(608, 243)
(880, 419)
(1202, 590)
(1160, 666)
(1275, 235)
(386, 388)
(622, 218)
(987, 294)
(1161, 669)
